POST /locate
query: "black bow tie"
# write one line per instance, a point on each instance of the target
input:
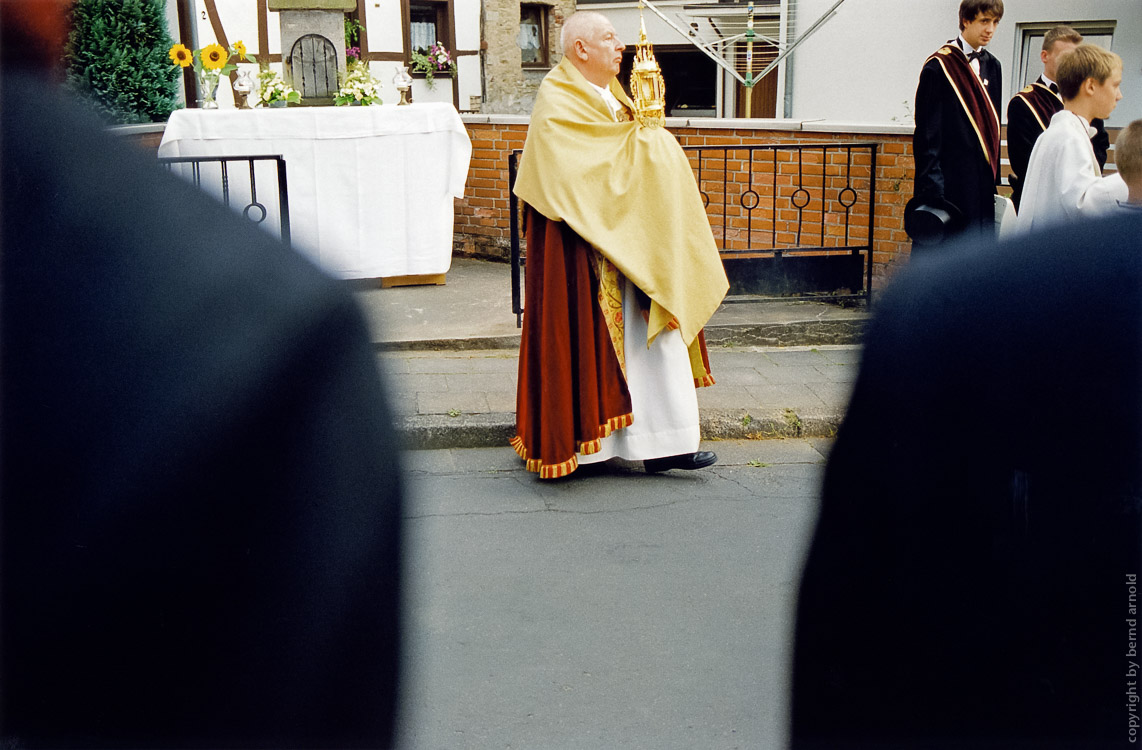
(975, 55)
(1054, 88)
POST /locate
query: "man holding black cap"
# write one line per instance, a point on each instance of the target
(956, 142)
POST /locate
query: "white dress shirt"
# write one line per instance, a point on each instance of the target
(968, 49)
(609, 98)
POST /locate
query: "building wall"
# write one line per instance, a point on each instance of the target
(509, 88)
(863, 65)
(383, 24)
(628, 22)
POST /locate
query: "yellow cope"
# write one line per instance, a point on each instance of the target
(630, 192)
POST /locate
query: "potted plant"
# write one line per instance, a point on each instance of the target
(273, 91)
(433, 62)
(358, 86)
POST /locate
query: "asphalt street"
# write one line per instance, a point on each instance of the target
(612, 609)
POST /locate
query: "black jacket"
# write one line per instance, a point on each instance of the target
(969, 581)
(200, 491)
(950, 166)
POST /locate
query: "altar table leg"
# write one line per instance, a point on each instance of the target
(413, 280)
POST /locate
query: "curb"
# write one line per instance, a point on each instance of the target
(794, 333)
(468, 343)
(495, 430)
(740, 424)
(439, 431)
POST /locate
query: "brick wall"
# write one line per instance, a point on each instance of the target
(482, 217)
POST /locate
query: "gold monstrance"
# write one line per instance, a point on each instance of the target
(646, 85)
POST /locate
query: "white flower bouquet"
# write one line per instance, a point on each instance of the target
(271, 88)
(358, 86)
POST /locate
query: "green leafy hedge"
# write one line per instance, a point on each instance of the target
(117, 59)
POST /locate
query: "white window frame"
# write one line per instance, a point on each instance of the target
(1028, 66)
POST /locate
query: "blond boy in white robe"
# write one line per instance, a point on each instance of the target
(1064, 181)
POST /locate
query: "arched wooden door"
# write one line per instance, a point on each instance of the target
(313, 66)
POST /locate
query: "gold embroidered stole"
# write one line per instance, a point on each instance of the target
(972, 95)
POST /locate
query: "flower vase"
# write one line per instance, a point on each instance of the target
(440, 91)
(208, 88)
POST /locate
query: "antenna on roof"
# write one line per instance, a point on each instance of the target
(741, 38)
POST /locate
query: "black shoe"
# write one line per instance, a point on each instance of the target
(688, 461)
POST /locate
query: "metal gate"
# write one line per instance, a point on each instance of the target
(788, 219)
(214, 175)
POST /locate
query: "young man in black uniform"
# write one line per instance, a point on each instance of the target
(956, 143)
(1030, 111)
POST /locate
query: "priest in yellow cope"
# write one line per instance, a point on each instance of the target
(622, 274)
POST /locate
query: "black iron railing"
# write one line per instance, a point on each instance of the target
(788, 219)
(223, 175)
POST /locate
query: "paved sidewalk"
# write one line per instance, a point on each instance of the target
(783, 368)
(466, 399)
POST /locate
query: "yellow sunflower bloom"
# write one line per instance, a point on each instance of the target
(214, 56)
(181, 56)
(240, 49)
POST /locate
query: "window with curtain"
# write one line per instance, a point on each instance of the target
(428, 24)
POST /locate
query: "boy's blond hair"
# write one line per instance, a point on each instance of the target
(1128, 153)
(1083, 62)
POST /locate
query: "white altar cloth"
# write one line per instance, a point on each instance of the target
(370, 188)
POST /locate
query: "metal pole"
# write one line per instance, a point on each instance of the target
(188, 35)
(513, 223)
(749, 36)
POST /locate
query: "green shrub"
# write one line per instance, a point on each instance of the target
(117, 59)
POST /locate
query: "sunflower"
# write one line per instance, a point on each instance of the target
(240, 49)
(214, 56)
(181, 56)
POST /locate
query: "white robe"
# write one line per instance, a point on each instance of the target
(664, 401)
(1063, 180)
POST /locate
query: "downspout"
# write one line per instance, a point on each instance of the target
(188, 35)
(787, 104)
(483, 62)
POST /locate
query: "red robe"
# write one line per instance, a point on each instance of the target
(571, 391)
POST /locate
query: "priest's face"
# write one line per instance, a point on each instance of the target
(603, 52)
(1051, 57)
(979, 31)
